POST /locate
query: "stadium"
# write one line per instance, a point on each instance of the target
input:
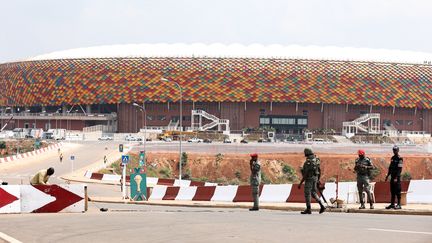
(289, 88)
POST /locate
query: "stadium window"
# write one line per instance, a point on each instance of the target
(363, 112)
(386, 122)
(409, 122)
(302, 121)
(175, 118)
(264, 120)
(276, 121)
(291, 121)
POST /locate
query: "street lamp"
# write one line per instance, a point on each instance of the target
(144, 116)
(57, 112)
(181, 125)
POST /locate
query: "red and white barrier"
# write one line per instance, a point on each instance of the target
(10, 201)
(275, 193)
(420, 191)
(42, 198)
(224, 193)
(30, 154)
(151, 181)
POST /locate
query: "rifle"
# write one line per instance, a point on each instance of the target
(321, 188)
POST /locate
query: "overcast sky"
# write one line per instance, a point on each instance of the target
(33, 27)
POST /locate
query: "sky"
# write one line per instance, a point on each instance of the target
(34, 27)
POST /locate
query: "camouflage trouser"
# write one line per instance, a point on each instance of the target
(363, 185)
(310, 189)
(255, 196)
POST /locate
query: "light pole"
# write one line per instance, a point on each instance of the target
(181, 125)
(144, 116)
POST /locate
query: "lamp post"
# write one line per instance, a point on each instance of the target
(57, 112)
(144, 116)
(181, 125)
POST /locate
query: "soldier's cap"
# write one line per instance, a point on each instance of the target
(254, 155)
(361, 152)
(396, 148)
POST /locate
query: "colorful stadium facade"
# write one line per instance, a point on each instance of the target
(250, 88)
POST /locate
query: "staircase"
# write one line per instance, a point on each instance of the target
(351, 128)
(215, 121)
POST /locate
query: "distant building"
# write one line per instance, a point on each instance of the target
(289, 88)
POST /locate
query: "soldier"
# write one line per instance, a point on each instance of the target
(394, 171)
(255, 180)
(363, 167)
(311, 173)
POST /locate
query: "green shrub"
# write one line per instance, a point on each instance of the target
(238, 174)
(2, 145)
(184, 159)
(374, 173)
(265, 179)
(165, 172)
(406, 176)
(289, 173)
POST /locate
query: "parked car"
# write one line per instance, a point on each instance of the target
(244, 141)
(227, 140)
(207, 140)
(167, 139)
(132, 138)
(105, 138)
(195, 140)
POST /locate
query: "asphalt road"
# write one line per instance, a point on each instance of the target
(254, 147)
(142, 223)
(85, 153)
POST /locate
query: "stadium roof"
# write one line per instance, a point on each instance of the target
(242, 51)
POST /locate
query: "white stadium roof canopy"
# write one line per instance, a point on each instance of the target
(241, 51)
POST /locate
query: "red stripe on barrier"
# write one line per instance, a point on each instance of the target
(244, 194)
(197, 183)
(297, 195)
(204, 193)
(127, 178)
(171, 193)
(64, 198)
(165, 182)
(382, 191)
(6, 198)
(96, 176)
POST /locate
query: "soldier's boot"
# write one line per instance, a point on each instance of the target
(322, 207)
(253, 209)
(371, 206)
(307, 211)
(362, 206)
(398, 207)
(390, 206)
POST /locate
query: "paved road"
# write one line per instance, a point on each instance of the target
(85, 153)
(142, 223)
(215, 148)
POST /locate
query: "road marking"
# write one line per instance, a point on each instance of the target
(9, 239)
(401, 231)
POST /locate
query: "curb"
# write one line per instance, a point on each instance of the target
(393, 212)
(269, 207)
(219, 205)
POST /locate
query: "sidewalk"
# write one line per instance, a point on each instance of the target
(413, 209)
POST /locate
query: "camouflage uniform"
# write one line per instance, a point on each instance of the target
(311, 173)
(255, 180)
(363, 168)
